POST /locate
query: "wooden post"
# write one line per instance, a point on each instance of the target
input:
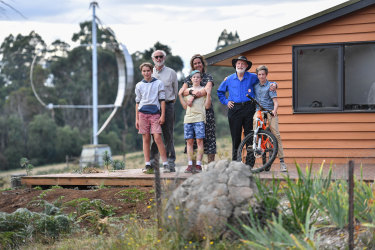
(351, 205)
(158, 197)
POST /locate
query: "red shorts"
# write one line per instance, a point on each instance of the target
(149, 123)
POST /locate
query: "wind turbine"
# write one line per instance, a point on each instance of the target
(92, 153)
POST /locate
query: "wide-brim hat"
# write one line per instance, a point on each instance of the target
(243, 58)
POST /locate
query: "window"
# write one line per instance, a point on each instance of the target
(334, 78)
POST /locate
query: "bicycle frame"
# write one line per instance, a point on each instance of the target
(259, 144)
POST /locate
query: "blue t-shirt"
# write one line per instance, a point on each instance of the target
(264, 95)
(237, 89)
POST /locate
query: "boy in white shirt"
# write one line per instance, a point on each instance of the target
(150, 113)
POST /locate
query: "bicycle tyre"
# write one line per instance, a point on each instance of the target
(265, 160)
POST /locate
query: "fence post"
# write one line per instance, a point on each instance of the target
(351, 205)
(158, 198)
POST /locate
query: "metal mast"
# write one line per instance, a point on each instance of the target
(94, 78)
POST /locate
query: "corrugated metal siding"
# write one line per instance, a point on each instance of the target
(333, 137)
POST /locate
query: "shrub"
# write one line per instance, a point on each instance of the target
(24, 226)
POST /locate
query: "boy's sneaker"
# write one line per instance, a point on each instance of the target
(283, 167)
(148, 170)
(172, 169)
(189, 169)
(198, 168)
(166, 169)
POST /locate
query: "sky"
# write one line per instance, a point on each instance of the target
(188, 27)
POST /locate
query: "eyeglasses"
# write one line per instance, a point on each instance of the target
(157, 57)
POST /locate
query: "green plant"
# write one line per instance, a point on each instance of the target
(364, 201)
(334, 203)
(131, 195)
(85, 205)
(118, 165)
(268, 194)
(107, 159)
(275, 236)
(321, 181)
(24, 226)
(299, 195)
(25, 163)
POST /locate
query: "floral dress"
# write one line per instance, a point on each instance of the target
(210, 140)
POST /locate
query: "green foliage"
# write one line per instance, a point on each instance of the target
(118, 165)
(334, 203)
(68, 142)
(84, 207)
(226, 39)
(23, 226)
(275, 236)
(299, 194)
(41, 139)
(107, 160)
(25, 163)
(12, 145)
(95, 212)
(364, 201)
(268, 195)
(131, 195)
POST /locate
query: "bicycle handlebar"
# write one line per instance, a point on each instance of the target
(260, 106)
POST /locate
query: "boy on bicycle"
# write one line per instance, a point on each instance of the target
(268, 99)
(194, 121)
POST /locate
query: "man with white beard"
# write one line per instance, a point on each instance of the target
(240, 108)
(169, 77)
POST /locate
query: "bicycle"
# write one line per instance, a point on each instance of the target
(259, 148)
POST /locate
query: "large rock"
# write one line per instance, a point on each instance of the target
(205, 203)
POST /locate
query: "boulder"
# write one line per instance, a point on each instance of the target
(205, 203)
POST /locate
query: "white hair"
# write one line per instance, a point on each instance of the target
(162, 51)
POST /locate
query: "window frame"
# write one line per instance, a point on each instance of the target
(341, 78)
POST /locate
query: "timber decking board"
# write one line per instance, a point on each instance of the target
(135, 177)
(130, 177)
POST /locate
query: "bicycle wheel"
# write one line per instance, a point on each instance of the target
(260, 158)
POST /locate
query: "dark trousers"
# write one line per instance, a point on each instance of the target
(240, 116)
(167, 129)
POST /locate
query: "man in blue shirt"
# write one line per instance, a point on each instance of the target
(240, 108)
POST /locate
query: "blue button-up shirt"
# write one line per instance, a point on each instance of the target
(237, 89)
(264, 95)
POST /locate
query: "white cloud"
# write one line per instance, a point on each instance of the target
(188, 27)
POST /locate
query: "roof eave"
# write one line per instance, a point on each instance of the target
(287, 30)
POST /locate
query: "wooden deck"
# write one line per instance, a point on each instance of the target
(135, 177)
(129, 177)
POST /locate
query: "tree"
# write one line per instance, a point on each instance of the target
(226, 39)
(42, 139)
(68, 142)
(17, 54)
(12, 141)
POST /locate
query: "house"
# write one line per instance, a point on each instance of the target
(324, 65)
